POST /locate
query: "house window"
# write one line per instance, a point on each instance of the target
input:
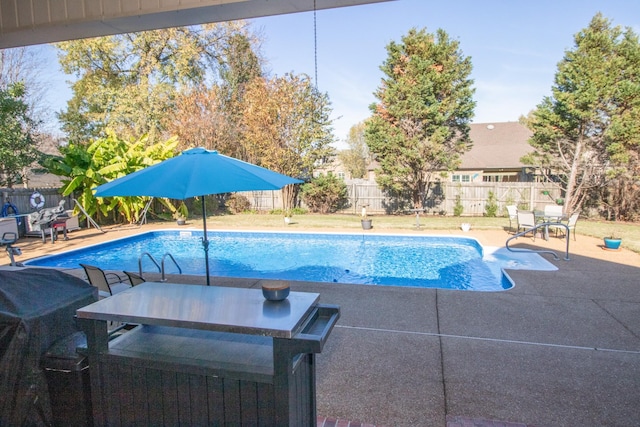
(501, 178)
(460, 178)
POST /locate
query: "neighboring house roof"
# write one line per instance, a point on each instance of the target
(497, 146)
(37, 177)
(43, 180)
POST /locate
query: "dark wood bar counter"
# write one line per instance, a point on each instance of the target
(205, 356)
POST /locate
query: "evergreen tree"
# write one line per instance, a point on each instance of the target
(586, 135)
(420, 124)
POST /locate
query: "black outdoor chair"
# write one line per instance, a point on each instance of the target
(134, 279)
(104, 281)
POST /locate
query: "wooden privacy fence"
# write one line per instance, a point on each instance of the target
(264, 200)
(473, 198)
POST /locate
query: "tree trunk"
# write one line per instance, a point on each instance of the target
(288, 197)
(570, 197)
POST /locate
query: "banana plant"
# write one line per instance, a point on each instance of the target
(103, 160)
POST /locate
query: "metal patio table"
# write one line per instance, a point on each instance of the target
(205, 355)
(541, 217)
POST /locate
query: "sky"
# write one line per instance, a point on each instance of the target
(514, 46)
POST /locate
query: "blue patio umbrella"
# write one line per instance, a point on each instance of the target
(196, 172)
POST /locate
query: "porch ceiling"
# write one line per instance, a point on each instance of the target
(32, 22)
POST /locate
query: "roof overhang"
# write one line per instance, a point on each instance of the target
(24, 23)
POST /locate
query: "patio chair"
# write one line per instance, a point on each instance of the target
(134, 279)
(512, 210)
(107, 283)
(571, 224)
(553, 213)
(527, 221)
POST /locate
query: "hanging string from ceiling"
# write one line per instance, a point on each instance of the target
(315, 43)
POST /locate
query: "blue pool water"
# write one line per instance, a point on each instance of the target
(417, 261)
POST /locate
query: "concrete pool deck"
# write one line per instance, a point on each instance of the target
(560, 348)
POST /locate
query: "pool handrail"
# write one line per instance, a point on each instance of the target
(160, 266)
(152, 260)
(534, 229)
(174, 262)
(8, 239)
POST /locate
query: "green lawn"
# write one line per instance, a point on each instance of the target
(629, 232)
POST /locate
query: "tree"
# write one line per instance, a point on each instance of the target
(586, 135)
(241, 66)
(18, 149)
(199, 119)
(286, 127)
(210, 117)
(356, 158)
(420, 124)
(25, 65)
(129, 82)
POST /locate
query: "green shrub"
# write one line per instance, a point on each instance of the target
(458, 208)
(238, 203)
(291, 212)
(212, 204)
(491, 207)
(325, 194)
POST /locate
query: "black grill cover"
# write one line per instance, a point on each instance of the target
(37, 307)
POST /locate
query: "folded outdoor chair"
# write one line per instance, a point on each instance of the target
(107, 283)
(134, 279)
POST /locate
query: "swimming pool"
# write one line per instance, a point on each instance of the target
(396, 260)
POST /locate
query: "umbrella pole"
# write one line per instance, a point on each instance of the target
(205, 241)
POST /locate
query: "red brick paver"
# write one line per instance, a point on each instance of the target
(333, 422)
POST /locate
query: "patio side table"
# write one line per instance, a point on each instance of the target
(417, 212)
